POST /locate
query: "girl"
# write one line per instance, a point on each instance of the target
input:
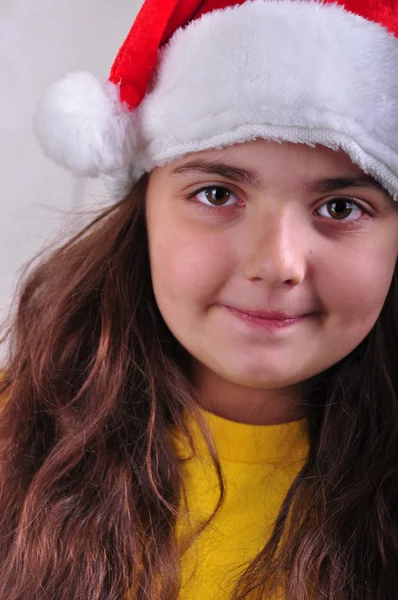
(201, 394)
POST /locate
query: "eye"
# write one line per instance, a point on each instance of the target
(340, 208)
(215, 195)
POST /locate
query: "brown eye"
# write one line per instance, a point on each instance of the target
(217, 195)
(341, 209)
(214, 196)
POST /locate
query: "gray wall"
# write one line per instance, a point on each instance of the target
(41, 41)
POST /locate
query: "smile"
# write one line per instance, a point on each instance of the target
(269, 323)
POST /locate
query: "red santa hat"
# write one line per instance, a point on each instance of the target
(199, 74)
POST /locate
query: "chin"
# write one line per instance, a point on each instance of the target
(257, 379)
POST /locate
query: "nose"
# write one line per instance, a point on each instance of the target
(277, 248)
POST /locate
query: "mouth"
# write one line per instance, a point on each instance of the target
(262, 314)
(267, 320)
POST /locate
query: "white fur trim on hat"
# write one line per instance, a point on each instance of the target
(293, 70)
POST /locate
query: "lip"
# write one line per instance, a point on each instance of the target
(270, 321)
(261, 314)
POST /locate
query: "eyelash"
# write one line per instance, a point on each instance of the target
(216, 209)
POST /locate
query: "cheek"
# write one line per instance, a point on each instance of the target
(188, 265)
(354, 287)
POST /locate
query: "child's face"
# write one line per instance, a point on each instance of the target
(269, 246)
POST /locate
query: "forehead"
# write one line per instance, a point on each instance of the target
(261, 153)
(267, 164)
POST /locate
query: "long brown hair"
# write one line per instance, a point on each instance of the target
(90, 483)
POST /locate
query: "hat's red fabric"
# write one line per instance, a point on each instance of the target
(159, 19)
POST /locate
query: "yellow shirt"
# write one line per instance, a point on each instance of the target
(259, 463)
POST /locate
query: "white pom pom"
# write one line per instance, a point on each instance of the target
(82, 125)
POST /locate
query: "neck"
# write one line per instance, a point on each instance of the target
(244, 404)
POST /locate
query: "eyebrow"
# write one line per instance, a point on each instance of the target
(251, 177)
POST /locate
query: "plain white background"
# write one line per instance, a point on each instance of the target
(40, 42)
